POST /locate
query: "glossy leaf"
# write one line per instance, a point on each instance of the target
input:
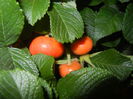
(11, 58)
(65, 22)
(114, 62)
(128, 24)
(34, 9)
(98, 25)
(46, 65)
(11, 22)
(85, 83)
(19, 84)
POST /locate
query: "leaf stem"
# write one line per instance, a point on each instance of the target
(68, 54)
(68, 58)
(81, 61)
(65, 61)
(86, 58)
(89, 61)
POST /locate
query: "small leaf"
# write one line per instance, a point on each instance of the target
(46, 65)
(105, 22)
(11, 22)
(34, 9)
(128, 24)
(11, 58)
(19, 84)
(85, 83)
(114, 62)
(66, 22)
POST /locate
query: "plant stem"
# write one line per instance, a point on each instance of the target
(68, 54)
(65, 61)
(68, 58)
(81, 61)
(89, 61)
(86, 58)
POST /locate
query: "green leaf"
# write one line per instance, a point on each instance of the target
(11, 58)
(89, 17)
(122, 1)
(85, 83)
(95, 2)
(131, 58)
(11, 22)
(34, 9)
(46, 65)
(114, 62)
(19, 84)
(128, 24)
(53, 84)
(26, 50)
(98, 25)
(66, 22)
(47, 88)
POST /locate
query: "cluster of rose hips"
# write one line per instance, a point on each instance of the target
(51, 47)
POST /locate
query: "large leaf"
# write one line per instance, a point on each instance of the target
(114, 62)
(11, 22)
(66, 22)
(46, 65)
(85, 83)
(18, 84)
(98, 25)
(11, 58)
(128, 23)
(34, 9)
